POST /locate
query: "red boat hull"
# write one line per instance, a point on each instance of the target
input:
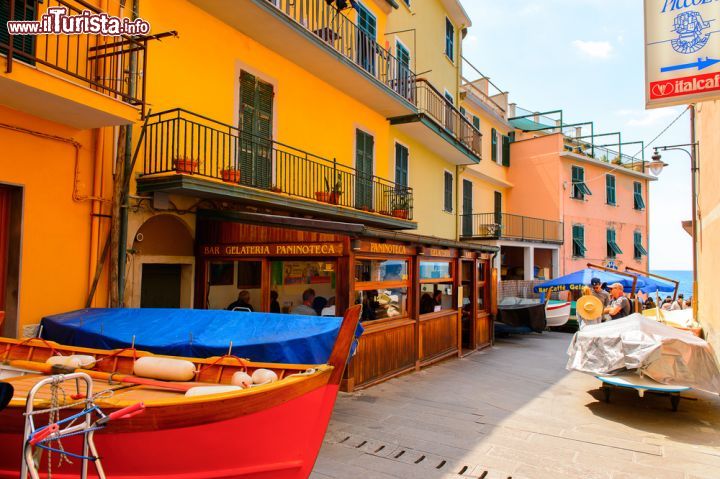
(282, 441)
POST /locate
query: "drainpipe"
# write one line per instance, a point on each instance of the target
(127, 171)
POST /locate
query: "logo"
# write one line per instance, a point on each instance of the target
(691, 85)
(689, 27)
(662, 89)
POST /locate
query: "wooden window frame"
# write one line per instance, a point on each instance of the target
(356, 286)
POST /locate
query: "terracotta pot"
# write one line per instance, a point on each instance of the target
(325, 197)
(400, 214)
(231, 175)
(186, 165)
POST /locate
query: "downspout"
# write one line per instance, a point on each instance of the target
(127, 172)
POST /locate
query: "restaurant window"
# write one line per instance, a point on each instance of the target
(640, 250)
(612, 247)
(449, 40)
(382, 286)
(448, 203)
(578, 237)
(638, 196)
(436, 286)
(579, 188)
(235, 284)
(610, 189)
(290, 279)
(483, 287)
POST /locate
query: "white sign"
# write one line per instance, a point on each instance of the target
(682, 51)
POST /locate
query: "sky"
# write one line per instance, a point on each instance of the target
(586, 57)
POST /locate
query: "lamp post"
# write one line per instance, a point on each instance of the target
(656, 167)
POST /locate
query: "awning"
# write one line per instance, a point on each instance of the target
(583, 188)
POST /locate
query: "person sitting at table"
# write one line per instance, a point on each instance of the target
(329, 309)
(620, 305)
(427, 304)
(243, 301)
(274, 303)
(306, 308)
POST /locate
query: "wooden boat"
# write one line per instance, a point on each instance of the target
(269, 431)
(557, 314)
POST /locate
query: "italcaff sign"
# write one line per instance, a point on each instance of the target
(682, 51)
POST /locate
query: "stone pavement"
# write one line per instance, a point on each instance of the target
(515, 412)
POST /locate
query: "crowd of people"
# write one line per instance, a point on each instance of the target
(311, 305)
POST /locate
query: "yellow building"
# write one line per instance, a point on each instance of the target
(708, 228)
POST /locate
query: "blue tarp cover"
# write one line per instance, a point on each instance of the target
(262, 337)
(578, 279)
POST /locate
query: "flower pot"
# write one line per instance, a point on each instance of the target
(327, 197)
(400, 214)
(231, 175)
(186, 165)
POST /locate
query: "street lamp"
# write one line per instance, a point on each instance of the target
(656, 167)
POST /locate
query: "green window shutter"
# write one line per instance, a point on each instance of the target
(401, 165)
(494, 140)
(256, 120)
(364, 144)
(247, 128)
(610, 234)
(476, 122)
(462, 111)
(640, 250)
(638, 197)
(506, 150)
(579, 241)
(449, 39)
(448, 206)
(610, 189)
(263, 129)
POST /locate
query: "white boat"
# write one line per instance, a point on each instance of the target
(557, 314)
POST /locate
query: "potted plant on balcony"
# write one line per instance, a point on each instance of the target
(332, 193)
(185, 165)
(231, 175)
(275, 189)
(401, 205)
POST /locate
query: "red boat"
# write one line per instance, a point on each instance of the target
(273, 430)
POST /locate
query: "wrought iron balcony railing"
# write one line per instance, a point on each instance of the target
(332, 27)
(179, 141)
(507, 226)
(106, 64)
(433, 104)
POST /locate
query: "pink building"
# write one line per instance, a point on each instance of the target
(575, 198)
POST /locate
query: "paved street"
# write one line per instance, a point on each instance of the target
(515, 412)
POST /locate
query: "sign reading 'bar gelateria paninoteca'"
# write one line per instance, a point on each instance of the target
(682, 51)
(294, 249)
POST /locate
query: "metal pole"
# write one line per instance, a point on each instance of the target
(693, 179)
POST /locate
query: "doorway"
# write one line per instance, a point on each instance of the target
(468, 317)
(161, 284)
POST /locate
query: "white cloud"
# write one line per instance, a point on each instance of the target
(594, 49)
(645, 118)
(531, 9)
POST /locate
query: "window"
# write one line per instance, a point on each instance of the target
(24, 45)
(639, 202)
(612, 247)
(401, 165)
(404, 74)
(494, 143)
(640, 250)
(579, 188)
(364, 146)
(578, 236)
(449, 40)
(367, 24)
(610, 189)
(436, 286)
(291, 278)
(256, 120)
(476, 122)
(463, 112)
(448, 192)
(382, 287)
(483, 287)
(506, 140)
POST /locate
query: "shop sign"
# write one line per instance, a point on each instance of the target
(443, 253)
(682, 51)
(291, 249)
(386, 248)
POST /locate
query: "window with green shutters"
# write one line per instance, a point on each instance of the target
(640, 250)
(494, 144)
(578, 237)
(24, 10)
(364, 151)
(404, 73)
(579, 188)
(476, 122)
(638, 196)
(448, 203)
(506, 150)
(612, 247)
(401, 165)
(610, 189)
(256, 119)
(463, 112)
(449, 39)
(367, 24)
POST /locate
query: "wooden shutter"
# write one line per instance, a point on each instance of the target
(448, 191)
(493, 138)
(247, 127)
(467, 210)
(364, 144)
(449, 39)
(476, 122)
(401, 165)
(263, 130)
(506, 150)
(256, 120)
(25, 11)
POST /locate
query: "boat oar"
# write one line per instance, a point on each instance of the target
(122, 378)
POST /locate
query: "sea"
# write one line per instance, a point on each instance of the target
(684, 276)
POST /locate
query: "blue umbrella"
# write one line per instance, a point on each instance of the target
(577, 280)
(647, 284)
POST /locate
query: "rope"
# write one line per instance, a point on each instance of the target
(53, 417)
(242, 362)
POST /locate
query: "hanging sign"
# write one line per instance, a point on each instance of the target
(682, 51)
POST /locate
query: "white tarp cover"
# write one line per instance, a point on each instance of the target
(665, 354)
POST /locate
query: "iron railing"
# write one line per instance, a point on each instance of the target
(604, 154)
(336, 30)
(179, 141)
(103, 63)
(508, 226)
(433, 104)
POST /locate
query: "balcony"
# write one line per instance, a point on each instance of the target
(455, 138)
(605, 155)
(82, 81)
(189, 154)
(497, 226)
(323, 41)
